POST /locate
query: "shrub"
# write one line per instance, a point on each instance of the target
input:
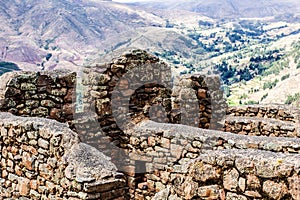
(285, 77)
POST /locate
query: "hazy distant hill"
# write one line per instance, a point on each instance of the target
(221, 9)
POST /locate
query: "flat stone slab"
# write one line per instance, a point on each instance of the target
(211, 138)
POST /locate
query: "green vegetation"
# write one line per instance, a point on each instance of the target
(270, 84)
(7, 67)
(285, 77)
(292, 98)
(264, 96)
(251, 102)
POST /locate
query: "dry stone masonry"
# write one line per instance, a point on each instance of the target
(171, 152)
(44, 159)
(171, 137)
(268, 120)
(41, 94)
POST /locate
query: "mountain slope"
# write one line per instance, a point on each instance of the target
(68, 30)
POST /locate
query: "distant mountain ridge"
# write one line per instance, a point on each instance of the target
(221, 9)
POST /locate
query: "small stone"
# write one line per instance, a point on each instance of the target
(230, 180)
(70, 96)
(55, 113)
(159, 186)
(28, 86)
(165, 143)
(33, 184)
(143, 186)
(34, 194)
(201, 94)
(210, 192)
(40, 112)
(45, 171)
(162, 194)
(242, 184)
(204, 172)
(47, 103)
(24, 186)
(231, 195)
(32, 135)
(151, 141)
(252, 182)
(45, 133)
(59, 92)
(50, 186)
(32, 103)
(18, 170)
(68, 109)
(176, 150)
(294, 186)
(43, 143)
(254, 194)
(275, 190)
(27, 161)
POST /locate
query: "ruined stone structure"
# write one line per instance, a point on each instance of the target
(44, 159)
(115, 146)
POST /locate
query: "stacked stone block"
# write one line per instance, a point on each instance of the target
(257, 126)
(44, 159)
(41, 94)
(274, 111)
(183, 162)
(268, 120)
(197, 100)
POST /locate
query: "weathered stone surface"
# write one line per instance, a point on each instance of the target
(230, 180)
(209, 192)
(204, 172)
(32, 172)
(294, 186)
(275, 190)
(24, 186)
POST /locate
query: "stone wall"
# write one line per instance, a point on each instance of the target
(138, 86)
(44, 159)
(236, 174)
(131, 88)
(257, 126)
(280, 112)
(41, 94)
(197, 100)
(183, 162)
(268, 120)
